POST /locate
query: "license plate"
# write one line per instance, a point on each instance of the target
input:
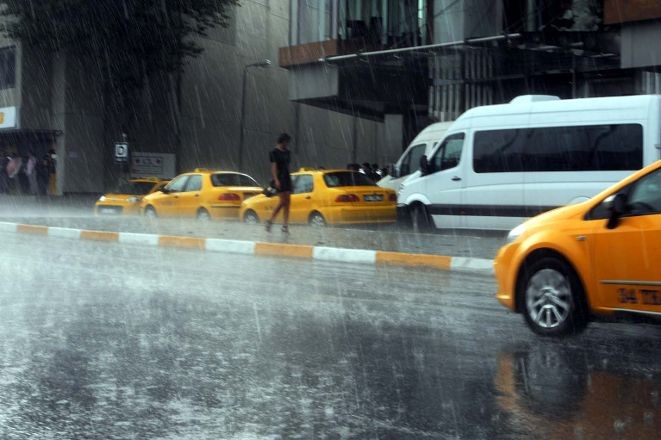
(373, 198)
(108, 211)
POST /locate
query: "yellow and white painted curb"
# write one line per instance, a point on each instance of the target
(307, 252)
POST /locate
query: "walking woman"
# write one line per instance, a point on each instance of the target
(280, 158)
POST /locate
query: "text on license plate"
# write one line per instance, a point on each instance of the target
(373, 197)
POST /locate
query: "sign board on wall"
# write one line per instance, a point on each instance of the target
(623, 11)
(7, 117)
(153, 165)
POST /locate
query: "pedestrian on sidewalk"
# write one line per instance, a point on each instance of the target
(4, 178)
(13, 169)
(31, 173)
(280, 158)
(43, 174)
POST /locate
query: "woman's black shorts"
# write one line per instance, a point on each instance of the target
(285, 184)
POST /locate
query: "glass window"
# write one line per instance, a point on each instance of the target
(614, 147)
(347, 178)
(194, 183)
(447, 156)
(498, 151)
(645, 195)
(302, 184)
(7, 68)
(411, 161)
(177, 184)
(224, 179)
(247, 181)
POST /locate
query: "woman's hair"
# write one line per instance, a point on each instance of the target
(284, 137)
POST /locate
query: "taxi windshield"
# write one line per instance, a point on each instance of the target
(135, 188)
(347, 178)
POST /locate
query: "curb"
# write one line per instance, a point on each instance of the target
(298, 251)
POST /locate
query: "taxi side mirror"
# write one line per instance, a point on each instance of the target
(617, 208)
(164, 190)
(424, 165)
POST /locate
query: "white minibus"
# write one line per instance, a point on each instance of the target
(409, 161)
(498, 165)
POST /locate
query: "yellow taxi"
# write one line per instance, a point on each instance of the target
(321, 197)
(601, 257)
(202, 194)
(126, 199)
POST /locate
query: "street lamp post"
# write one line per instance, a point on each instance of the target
(265, 63)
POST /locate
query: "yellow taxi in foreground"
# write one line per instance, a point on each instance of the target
(126, 199)
(203, 194)
(321, 197)
(601, 257)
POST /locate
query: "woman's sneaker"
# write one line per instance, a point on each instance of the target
(268, 225)
(285, 229)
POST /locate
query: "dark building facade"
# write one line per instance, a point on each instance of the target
(430, 60)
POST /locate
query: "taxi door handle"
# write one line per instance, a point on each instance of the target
(456, 179)
(308, 197)
(197, 195)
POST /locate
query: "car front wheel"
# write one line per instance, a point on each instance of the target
(551, 296)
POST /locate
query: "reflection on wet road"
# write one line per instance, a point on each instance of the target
(106, 341)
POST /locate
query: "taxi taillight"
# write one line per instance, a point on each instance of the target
(347, 198)
(229, 197)
(392, 197)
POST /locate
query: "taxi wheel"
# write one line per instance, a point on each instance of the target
(203, 215)
(150, 212)
(421, 221)
(551, 297)
(317, 220)
(250, 217)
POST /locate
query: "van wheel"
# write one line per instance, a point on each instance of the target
(551, 297)
(420, 219)
(203, 215)
(250, 217)
(317, 220)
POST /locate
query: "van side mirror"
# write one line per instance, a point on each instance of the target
(424, 165)
(617, 207)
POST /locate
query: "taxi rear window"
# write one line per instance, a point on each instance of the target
(232, 180)
(347, 178)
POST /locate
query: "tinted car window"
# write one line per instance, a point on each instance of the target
(612, 147)
(303, 184)
(411, 161)
(177, 185)
(645, 195)
(224, 179)
(448, 154)
(246, 181)
(347, 178)
(194, 183)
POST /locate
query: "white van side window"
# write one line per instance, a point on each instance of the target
(411, 161)
(448, 154)
(612, 147)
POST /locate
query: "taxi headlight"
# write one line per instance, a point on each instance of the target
(102, 199)
(516, 233)
(133, 199)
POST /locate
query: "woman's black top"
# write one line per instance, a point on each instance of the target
(281, 160)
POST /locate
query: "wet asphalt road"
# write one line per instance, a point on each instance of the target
(103, 341)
